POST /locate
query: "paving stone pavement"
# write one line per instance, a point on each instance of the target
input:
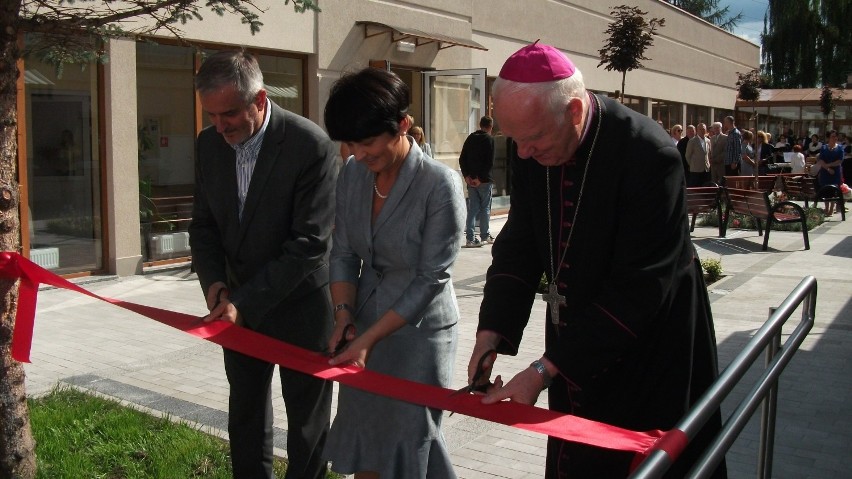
(97, 346)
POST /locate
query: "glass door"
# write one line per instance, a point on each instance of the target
(453, 104)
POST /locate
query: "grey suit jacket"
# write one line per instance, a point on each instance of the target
(698, 154)
(718, 149)
(278, 252)
(404, 259)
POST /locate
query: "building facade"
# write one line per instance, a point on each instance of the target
(796, 113)
(107, 152)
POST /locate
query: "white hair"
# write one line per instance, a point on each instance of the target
(557, 93)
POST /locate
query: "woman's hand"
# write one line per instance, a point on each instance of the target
(337, 334)
(356, 353)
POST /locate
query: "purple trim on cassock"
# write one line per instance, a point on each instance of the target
(614, 319)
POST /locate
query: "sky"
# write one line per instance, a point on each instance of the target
(751, 24)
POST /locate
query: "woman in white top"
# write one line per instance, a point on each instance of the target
(797, 162)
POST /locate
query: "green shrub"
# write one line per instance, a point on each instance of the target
(712, 269)
(815, 217)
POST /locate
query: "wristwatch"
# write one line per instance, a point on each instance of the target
(539, 367)
(342, 307)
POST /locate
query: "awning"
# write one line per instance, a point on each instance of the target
(419, 37)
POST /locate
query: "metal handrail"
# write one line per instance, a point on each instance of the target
(658, 462)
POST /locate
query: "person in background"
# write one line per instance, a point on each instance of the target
(830, 162)
(417, 133)
(814, 146)
(748, 161)
(698, 157)
(397, 234)
(676, 134)
(763, 153)
(718, 151)
(260, 248)
(476, 161)
(629, 331)
(681, 147)
(797, 162)
(782, 146)
(733, 155)
(847, 157)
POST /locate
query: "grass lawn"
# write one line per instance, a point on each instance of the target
(83, 436)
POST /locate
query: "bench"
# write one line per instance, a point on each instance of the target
(756, 204)
(704, 199)
(804, 188)
(763, 183)
(167, 213)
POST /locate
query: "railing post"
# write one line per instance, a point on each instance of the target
(768, 413)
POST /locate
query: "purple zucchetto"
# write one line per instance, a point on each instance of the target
(537, 63)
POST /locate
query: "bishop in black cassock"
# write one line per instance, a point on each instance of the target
(633, 344)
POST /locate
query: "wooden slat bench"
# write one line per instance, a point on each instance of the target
(704, 199)
(764, 183)
(756, 204)
(804, 188)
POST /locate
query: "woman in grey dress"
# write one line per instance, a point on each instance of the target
(397, 232)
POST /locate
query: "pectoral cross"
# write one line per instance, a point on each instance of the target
(555, 300)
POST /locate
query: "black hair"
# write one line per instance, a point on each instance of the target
(366, 104)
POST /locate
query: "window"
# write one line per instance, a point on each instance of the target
(63, 167)
(670, 113)
(696, 114)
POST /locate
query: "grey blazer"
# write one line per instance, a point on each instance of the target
(404, 259)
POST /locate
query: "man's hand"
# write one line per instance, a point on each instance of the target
(472, 181)
(226, 311)
(485, 341)
(524, 388)
(222, 308)
(214, 293)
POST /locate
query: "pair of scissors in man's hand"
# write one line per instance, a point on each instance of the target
(344, 340)
(474, 385)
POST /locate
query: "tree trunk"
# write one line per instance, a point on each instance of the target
(17, 448)
(623, 81)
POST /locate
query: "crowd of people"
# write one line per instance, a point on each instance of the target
(724, 149)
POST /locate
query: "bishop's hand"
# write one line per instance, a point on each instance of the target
(524, 388)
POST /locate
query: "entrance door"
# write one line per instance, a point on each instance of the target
(453, 104)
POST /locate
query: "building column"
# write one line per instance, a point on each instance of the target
(122, 170)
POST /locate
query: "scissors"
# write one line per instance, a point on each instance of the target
(480, 371)
(344, 341)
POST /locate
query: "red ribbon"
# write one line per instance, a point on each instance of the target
(530, 418)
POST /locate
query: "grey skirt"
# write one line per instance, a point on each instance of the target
(395, 438)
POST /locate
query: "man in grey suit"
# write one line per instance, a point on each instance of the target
(718, 151)
(261, 223)
(698, 157)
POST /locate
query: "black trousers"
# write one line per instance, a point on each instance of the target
(307, 400)
(731, 171)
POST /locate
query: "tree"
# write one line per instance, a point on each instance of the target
(629, 36)
(806, 43)
(68, 32)
(748, 86)
(709, 11)
(826, 101)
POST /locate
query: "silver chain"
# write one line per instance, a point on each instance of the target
(553, 269)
